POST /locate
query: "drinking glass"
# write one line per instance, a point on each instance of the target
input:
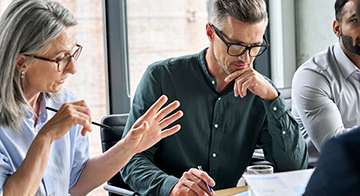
(258, 169)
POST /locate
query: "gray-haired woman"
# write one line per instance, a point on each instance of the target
(43, 152)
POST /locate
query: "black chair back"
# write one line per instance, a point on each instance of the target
(286, 93)
(109, 138)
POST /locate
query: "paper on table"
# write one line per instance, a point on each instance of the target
(241, 194)
(279, 184)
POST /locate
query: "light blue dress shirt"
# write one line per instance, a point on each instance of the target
(68, 155)
(326, 98)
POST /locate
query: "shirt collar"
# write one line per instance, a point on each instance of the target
(42, 113)
(345, 65)
(211, 80)
(203, 65)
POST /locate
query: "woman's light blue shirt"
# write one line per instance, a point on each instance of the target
(68, 155)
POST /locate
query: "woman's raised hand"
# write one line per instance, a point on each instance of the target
(148, 129)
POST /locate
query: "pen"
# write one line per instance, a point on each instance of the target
(210, 189)
(95, 123)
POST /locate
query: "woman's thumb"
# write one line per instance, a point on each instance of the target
(142, 128)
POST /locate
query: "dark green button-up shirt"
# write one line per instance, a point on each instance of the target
(218, 130)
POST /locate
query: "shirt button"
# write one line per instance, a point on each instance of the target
(213, 82)
(284, 132)
(216, 125)
(214, 155)
(274, 108)
(219, 98)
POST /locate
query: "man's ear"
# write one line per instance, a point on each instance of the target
(20, 62)
(209, 32)
(337, 28)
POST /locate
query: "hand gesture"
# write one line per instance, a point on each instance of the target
(250, 79)
(69, 115)
(147, 130)
(192, 183)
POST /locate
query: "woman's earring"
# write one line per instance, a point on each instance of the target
(22, 75)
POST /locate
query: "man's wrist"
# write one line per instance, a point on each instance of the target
(272, 96)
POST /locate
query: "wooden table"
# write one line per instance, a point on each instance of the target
(230, 191)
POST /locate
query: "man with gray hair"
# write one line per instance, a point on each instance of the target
(229, 109)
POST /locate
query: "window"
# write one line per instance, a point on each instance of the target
(161, 29)
(151, 31)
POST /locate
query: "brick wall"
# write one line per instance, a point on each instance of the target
(160, 29)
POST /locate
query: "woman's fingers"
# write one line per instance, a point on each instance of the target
(167, 121)
(156, 106)
(76, 113)
(167, 132)
(166, 110)
(83, 119)
(156, 118)
(80, 106)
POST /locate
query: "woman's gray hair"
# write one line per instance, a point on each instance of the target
(27, 27)
(247, 11)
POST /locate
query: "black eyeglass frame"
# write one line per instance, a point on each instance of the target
(58, 61)
(242, 45)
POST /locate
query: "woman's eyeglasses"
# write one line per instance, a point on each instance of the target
(63, 62)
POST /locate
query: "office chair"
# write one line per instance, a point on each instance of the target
(116, 185)
(286, 93)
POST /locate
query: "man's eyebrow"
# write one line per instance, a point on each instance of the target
(232, 41)
(353, 15)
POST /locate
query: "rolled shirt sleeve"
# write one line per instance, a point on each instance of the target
(80, 156)
(283, 143)
(6, 169)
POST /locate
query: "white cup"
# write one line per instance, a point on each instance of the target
(258, 169)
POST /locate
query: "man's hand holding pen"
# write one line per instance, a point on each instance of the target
(194, 183)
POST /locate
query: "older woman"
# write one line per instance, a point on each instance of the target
(44, 152)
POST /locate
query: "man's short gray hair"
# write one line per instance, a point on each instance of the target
(247, 11)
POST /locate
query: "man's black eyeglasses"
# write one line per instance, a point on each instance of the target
(236, 49)
(61, 63)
